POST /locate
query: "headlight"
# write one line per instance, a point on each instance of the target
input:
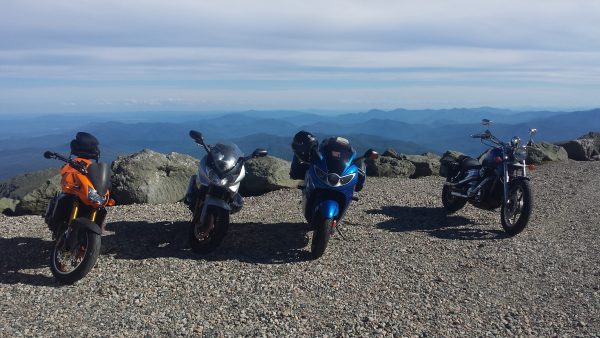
(520, 154)
(333, 179)
(515, 141)
(95, 197)
(215, 179)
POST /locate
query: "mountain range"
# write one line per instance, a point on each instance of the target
(23, 139)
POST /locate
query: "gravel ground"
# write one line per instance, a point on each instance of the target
(403, 269)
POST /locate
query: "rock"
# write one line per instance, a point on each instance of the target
(392, 153)
(152, 177)
(387, 166)
(426, 164)
(21, 185)
(8, 205)
(264, 174)
(542, 152)
(36, 202)
(585, 148)
(453, 154)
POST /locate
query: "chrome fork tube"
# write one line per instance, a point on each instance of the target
(506, 178)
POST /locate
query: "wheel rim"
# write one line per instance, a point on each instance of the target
(67, 261)
(203, 232)
(514, 207)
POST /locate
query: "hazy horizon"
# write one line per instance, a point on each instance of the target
(152, 55)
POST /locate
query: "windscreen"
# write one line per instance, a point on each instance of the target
(99, 174)
(225, 156)
(338, 153)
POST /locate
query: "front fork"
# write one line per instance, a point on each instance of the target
(70, 235)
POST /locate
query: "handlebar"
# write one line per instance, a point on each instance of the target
(77, 165)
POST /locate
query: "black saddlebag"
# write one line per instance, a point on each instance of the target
(85, 145)
(302, 144)
(449, 166)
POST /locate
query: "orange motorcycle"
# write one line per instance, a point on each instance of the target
(76, 215)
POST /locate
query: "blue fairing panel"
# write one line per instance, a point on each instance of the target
(329, 209)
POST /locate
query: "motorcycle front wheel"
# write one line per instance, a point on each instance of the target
(450, 202)
(206, 237)
(68, 265)
(516, 212)
(321, 236)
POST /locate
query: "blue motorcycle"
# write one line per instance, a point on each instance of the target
(332, 173)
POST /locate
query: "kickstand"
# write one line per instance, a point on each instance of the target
(341, 233)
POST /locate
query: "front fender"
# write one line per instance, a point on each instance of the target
(79, 224)
(217, 202)
(328, 209)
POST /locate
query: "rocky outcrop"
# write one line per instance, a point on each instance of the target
(585, 148)
(541, 152)
(36, 201)
(152, 177)
(8, 206)
(21, 185)
(426, 164)
(264, 174)
(387, 166)
(452, 154)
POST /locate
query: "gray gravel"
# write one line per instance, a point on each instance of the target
(404, 269)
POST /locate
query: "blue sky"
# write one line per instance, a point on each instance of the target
(95, 56)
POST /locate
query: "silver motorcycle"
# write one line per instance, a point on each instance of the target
(212, 194)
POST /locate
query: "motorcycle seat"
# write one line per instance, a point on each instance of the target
(470, 163)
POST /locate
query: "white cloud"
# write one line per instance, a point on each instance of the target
(96, 46)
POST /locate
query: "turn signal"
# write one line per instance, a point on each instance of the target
(498, 159)
(531, 167)
(111, 202)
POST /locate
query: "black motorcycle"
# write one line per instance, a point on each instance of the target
(497, 179)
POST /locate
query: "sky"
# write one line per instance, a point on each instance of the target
(191, 55)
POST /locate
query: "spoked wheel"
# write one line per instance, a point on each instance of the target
(322, 233)
(69, 265)
(515, 213)
(450, 202)
(206, 237)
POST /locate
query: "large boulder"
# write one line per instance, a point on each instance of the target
(8, 206)
(151, 177)
(264, 174)
(541, 152)
(36, 201)
(426, 164)
(29, 193)
(21, 185)
(387, 166)
(453, 154)
(585, 148)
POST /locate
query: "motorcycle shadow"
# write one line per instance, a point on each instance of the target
(434, 221)
(24, 253)
(246, 242)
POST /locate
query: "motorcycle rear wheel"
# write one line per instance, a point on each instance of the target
(218, 225)
(321, 236)
(450, 202)
(81, 259)
(515, 215)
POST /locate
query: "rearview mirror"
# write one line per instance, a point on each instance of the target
(371, 154)
(532, 131)
(486, 122)
(196, 136)
(48, 154)
(259, 153)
